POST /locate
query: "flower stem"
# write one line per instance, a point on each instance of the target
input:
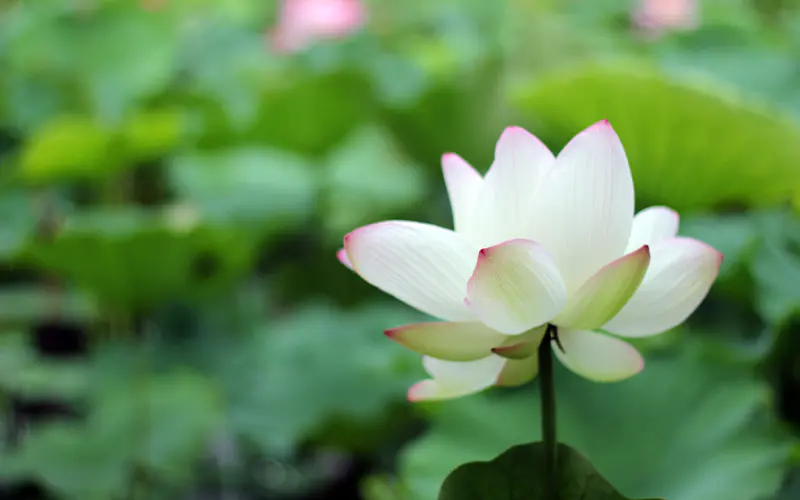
(548, 398)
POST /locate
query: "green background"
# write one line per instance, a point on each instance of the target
(174, 323)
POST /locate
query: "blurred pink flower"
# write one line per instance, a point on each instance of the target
(301, 22)
(655, 17)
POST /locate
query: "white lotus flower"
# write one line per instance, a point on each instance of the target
(540, 240)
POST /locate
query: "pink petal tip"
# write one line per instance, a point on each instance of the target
(602, 125)
(359, 231)
(514, 134)
(720, 256)
(515, 129)
(415, 392)
(449, 156)
(343, 257)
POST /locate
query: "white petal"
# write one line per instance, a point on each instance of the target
(681, 272)
(517, 372)
(452, 379)
(584, 210)
(502, 213)
(515, 287)
(596, 356)
(448, 341)
(602, 297)
(653, 225)
(344, 259)
(425, 266)
(463, 185)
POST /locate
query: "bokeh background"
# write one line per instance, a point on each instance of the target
(177, 175)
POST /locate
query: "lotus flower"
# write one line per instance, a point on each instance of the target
(657, 16)
(302, 22)
(540, 240)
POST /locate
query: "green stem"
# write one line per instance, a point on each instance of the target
(548, 397)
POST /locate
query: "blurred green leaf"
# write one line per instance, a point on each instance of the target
(66, 147)
(383, 487)
(776, 267)
(74, 146)
(159, 423)
(19, 222)
(791, 488)
(127, 53)
(286, 380)
(367, 179)
(35, 61)
(518, 472)
(63, 455)
(229, 67)
(399, 81)
(691, 426)
(256, 185)
(310, 113)
(248, 146)
(131, 258)
(151, 133)
(463, 113)
(26, 304)
(24, 372)
(165, 421)
(756, 68)
(671, 129)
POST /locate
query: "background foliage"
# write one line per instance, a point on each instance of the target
(173, 321)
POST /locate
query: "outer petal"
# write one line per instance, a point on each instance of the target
(584, 210)
(448, 341)
(502, 213)
(602, 297)
(453, 379)
(521, 346)
(596, 356)
(518, 372)
(463, 186)
(681, 272)
(653, 225)
(425, 266)
(344, 259)
(515, 287)
(518, 350)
